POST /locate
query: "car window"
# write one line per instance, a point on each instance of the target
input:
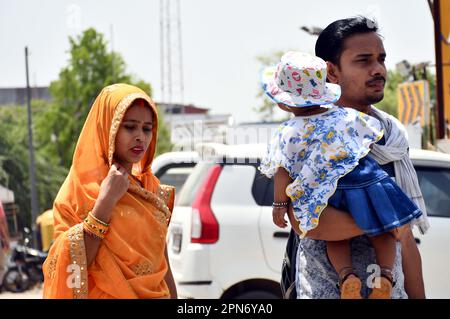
(435, 185)
(176, 176)
(193, 183)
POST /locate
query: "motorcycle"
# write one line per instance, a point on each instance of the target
(25, 266)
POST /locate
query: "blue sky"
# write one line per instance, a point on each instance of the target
(221, 39)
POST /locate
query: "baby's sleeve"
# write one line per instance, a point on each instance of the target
(370, 126)
(281, 152)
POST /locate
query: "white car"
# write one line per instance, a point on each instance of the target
(433, 171)
(173, 168)
(222, 242)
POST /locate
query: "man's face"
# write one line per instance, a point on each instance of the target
(361, 73)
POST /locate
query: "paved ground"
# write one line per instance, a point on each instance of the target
(35, 293)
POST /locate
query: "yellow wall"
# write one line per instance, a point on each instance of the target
(413, 100)
(445, 30)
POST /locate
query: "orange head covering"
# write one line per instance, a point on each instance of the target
(130, 262)
(98, 138)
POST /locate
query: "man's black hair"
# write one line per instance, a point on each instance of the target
(330, 44)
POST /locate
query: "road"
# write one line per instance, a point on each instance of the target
(35, 293)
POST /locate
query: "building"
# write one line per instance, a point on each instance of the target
(18, 96)
(190, 125)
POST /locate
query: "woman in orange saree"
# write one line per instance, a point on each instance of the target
(111, 214)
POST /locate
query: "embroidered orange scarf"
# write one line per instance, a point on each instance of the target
(130, 262)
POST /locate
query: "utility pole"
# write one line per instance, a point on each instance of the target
(162, 49)
(440, 123)
(34, 197)
(171, 60)
(111, 29)
(180, 53)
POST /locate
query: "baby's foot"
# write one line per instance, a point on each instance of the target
(351, 287)
(383, 290)
(349, 284)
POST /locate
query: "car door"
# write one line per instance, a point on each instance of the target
(434, 248)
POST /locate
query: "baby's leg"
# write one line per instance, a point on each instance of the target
(339, 254)
(385, 251)
(384, 246)
(341, 259)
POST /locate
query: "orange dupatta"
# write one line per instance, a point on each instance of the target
(130, 262)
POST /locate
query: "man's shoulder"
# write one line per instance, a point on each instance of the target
(382, 115)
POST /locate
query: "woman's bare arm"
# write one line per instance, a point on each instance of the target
(112, 188)
(102, 210)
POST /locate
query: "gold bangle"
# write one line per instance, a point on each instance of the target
(98, 220)
(92, 226)
(95, 227)
(92, 233)
(94, 222)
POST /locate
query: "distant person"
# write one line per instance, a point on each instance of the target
(4, 241)
(111, 214)
(319, 157)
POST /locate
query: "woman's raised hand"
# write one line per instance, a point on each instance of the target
(115, 185)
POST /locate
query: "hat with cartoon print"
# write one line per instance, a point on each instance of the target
(299, 80)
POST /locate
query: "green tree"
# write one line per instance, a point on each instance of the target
(13, 155)
(14, 160)
(90, 68)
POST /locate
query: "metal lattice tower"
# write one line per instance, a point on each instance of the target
(172, 85)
